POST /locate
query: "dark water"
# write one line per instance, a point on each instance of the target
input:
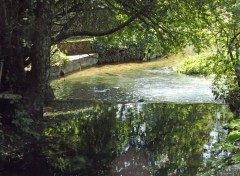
(145, 123)
(133, 139)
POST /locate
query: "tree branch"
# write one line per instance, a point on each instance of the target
(63, 34)
(234, 37)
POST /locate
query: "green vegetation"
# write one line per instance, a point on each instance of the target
(132, 45)
(198, 64)
(232, 142)
(90, 141)
(229, 147)
(225, 88)
(30, 27)
(147, 26)
(57, 58)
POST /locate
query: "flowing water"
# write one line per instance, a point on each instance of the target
(148, 85)
(145, 123)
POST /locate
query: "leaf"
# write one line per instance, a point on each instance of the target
(217, 146)
(233, 136)
(16, 122)
(236, 158)
(229, 147)
(235, 124)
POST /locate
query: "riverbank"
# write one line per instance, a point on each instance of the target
(85, 68)
(16, 150)
(170, 62)
(76, 63)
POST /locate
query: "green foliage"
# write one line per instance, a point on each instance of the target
(162, 31)
(235, 124)
(127, 44)
(57, 58)
(225, 31)
(107, 134)
(231, 145)
(24, 122)
(132, 45)
(233, 136)
(236, 158)
(19, 133)
(201, 64)
(225, 85)
(223, 22)
(81, 132)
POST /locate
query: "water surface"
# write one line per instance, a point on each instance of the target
(133, 139)
(150, 85)
(146, 122)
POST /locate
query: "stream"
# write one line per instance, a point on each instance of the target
(148, 85)
(146, 123)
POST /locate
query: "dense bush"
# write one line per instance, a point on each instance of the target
(57, 58)
(112, 52)
(201, 64)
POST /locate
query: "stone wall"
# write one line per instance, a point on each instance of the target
(75, 48)
(77, 62)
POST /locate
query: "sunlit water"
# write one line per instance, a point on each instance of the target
(148, 85)
(150, 123)
(171, 86)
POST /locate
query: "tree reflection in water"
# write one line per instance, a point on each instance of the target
(131, 139)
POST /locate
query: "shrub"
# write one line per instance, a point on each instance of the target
(57, 58)
(201, 64)
(111, 52)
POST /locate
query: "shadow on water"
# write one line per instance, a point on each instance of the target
(149, 123)
(132, 139)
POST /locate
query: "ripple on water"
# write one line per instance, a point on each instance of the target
(150, 85)
(173, 87)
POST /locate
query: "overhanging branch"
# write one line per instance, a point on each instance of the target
(63, 34)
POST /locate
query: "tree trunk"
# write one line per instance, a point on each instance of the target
(38, 80)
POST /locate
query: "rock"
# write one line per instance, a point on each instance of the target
(141, 100)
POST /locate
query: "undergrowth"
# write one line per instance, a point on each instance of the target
(206, 64)
(200, 64)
